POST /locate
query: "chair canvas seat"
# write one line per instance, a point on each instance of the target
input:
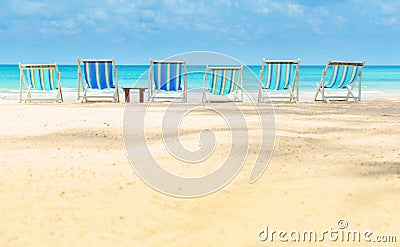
(98, 80)
(339, 80)
(223, 81)
(167, 81)
(277, 77)
(42, 80)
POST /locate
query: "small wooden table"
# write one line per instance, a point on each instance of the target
(128, 95)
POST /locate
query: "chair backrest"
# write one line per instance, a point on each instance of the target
(98, 74)
(279, 74)
(43, 77)
(341, 74)
(223, 80)
(167, 75)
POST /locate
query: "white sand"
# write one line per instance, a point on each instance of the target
(65, 180)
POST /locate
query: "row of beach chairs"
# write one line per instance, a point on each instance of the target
(167, 80)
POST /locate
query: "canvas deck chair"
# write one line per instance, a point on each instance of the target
(223, 81)
(278, 76)
(98, 80)
(340, 76)
(167, 81)
(39, 78)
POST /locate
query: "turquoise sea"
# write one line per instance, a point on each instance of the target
(376, 79)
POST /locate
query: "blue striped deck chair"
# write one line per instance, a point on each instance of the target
(340, 76)
(98, 79)
(279, 75)
(223, 81)
(44, 78)
(167, 81)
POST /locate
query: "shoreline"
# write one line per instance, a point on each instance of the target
(195, 95)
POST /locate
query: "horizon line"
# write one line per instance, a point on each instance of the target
(137, 64)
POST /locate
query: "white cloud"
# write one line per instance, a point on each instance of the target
(315, 23)
(129, 8)
(340, 20)
(226, 3)
(263, 10)
(387, 7)
(295, 9)
(54, 23)
(315, 19)
(320, 11)
(23, 7)
(119, 40)
(203, 27)
(380, 13)
(282, 7)
(63, 27)
(98, 13)
(389, 21)
(70, 24)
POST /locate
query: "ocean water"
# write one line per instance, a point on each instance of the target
(376, 80)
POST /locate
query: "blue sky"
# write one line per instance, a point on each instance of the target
(134, 31)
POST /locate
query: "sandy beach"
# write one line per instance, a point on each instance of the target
(65, 180)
